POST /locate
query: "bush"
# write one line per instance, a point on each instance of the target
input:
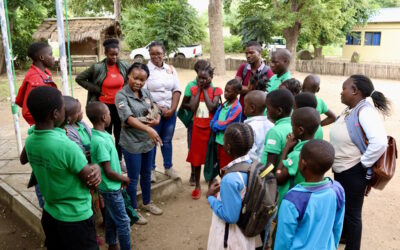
(233, 44)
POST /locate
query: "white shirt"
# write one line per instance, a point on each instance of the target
(260, 125)
(162, 83)
(347, 153)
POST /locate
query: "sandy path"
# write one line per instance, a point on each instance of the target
(185, 222)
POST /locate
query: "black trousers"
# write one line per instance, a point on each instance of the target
(116, 126)
(62, 235)
(354, 184)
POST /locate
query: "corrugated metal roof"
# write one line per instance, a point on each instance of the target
(386, 15)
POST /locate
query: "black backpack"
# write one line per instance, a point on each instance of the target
(260, 201)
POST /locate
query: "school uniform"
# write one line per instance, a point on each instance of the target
(201, 127)
(292, 165)
(34, 78)
(226, 114)
(67, 215)
(260, 125)
(311, 216)
(102, 149)
(81, 135)
(136, 144)
(275, 81)
(275, 139)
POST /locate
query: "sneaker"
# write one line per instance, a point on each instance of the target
(196, 194)
(123, 166)
(172, 173)
(192, 181)
(142, 220)
(153, 176)
(152, 208)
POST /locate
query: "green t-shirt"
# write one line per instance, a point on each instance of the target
(83, 134)
(102, 149)
(56, 162)
(319, 134)
(275, 139)
(292, 164)
(219, 138)
(322, 108)
(275, 81)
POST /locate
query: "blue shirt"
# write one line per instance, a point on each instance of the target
(311, 216)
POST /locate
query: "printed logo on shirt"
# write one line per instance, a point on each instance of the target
(271, 142)
(121, 105)
(290, 162)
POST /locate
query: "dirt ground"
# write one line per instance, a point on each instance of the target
(185, 223)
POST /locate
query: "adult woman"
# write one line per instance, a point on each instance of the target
(163, 85)
(103, 80)
(353, 158)
(138, 138)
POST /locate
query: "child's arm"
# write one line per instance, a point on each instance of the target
(195, 100)
(23, 158)
(287, 225)
(185, 102)
(233, 117)
(112, 175)
(331, 118)
(282, 173)
(212, 105)
(338, 224)
(91, 175)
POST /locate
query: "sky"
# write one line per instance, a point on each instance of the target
(200, 5)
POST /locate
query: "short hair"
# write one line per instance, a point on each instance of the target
(305, 99)
(312, 81)
(257, 98)
(254, 44)
(260, 81)
(201, 64)
(293, 85)
(235, 84)
(241, 137)
(157, 43)
(69, 104)
(34, 49)
(42, 101)
(207, 68)
(319, 155)
(138, 65)
(281, 98)
(95, 110)
(282, 52)
(111, 43)
(308, 118)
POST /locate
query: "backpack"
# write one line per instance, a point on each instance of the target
(260, 201)
(262, 72)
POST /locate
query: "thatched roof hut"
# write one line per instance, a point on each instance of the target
(86, 34)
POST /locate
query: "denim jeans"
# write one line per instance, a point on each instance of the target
(165, 130)
(189, 134)
(117, 220)
(139, 164)
(354, 183)
(39, 196)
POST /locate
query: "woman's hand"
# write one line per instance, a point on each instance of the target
(213, 189)
(154, 137)
(291, 142)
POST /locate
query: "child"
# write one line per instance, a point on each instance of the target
(280, 61)
(258, 82)
(63, 174)
(311, 214)
(305, 122)
(279, 104)
(104, 153)
(254, 106)
(225, 199)
(228, 112)
(199, 65)
(293, 85)
(77, 130)
(38, 75)
(311, 84)
(307, 99)
(204, 102)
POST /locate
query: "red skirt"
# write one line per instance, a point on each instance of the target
(198, 146)
(224, 158)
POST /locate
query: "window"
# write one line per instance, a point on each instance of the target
(372, 38)
(354, 38)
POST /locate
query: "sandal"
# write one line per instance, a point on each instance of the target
(196, 194)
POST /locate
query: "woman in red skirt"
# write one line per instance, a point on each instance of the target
(204, 102)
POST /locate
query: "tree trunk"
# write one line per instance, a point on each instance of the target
(318, 52)
(217, 51)
(117, 10)
(2, 57)
(291, 35)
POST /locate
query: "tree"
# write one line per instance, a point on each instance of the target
(217, 52)
(117, 10)
(388, 3)
(175, 23)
